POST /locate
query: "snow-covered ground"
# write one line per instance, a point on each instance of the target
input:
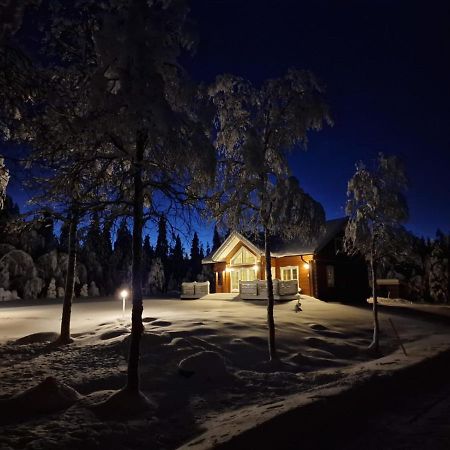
(323, 344)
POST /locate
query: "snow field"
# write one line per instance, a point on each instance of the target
(220, 347)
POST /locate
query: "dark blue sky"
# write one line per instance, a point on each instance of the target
(386, 65)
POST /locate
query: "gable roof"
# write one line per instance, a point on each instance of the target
(228, 244)
(292, 247)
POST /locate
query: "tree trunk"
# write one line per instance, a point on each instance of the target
(375, 345)
(270, 300)
(136, 314)
(64, 337)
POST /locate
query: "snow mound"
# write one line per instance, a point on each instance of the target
(150, 342)
(47, 397)
(206, 365)
(180, 342)
(123, 403)
(37, 338)
(114, 333)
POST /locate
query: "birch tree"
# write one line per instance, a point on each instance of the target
(376, 207)
(257, 128)
(148, 124)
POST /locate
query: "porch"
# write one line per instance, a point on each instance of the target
(247, 290)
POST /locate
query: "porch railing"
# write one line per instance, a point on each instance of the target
(282, 290)
(196, 289)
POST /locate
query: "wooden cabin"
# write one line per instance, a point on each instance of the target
(321, 267)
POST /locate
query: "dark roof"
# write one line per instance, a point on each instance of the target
(296, 246)
(299, 246)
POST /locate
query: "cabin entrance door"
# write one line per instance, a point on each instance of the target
(241, 274)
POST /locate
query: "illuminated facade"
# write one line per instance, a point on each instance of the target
(321, 268)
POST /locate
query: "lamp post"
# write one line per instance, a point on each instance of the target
(124, 295)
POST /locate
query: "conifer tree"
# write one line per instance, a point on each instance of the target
(217, 240)
(147, 254)
(196, 259)
(162, 244)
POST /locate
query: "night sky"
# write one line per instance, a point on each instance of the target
(386, 66)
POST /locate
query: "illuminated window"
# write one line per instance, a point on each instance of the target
(243, 256)
(289, 273)
(242, 274)
(330, 276)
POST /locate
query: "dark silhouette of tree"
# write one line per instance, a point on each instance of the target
(64, 237)
(195, 257)
(217, 240)
(147, 254)
(162, 244)
(122, 255)
(177, 266)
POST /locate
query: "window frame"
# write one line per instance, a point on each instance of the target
(291, 269)
(240, 252)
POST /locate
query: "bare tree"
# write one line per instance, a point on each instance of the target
(376, 207)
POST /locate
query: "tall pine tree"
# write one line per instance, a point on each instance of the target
(217, 240)
(162, 244)
(196, 259)
(147, 254)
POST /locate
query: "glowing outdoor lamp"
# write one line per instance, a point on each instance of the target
(306, 265)
(124, 295)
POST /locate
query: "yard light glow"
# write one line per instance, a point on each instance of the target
(124, 295)
(255, 267)
(306, 265)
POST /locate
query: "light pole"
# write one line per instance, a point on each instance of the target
(124, 295)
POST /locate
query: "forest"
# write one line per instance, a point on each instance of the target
(33, 259)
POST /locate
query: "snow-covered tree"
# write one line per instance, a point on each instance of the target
(4, 179)
(156, 279)
(51, 289)
(84, 292)
(93, 290)
(160, 154)
(257, 128)
(376, 207)
(438, 274)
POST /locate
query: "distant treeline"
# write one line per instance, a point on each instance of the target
(32, 256)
